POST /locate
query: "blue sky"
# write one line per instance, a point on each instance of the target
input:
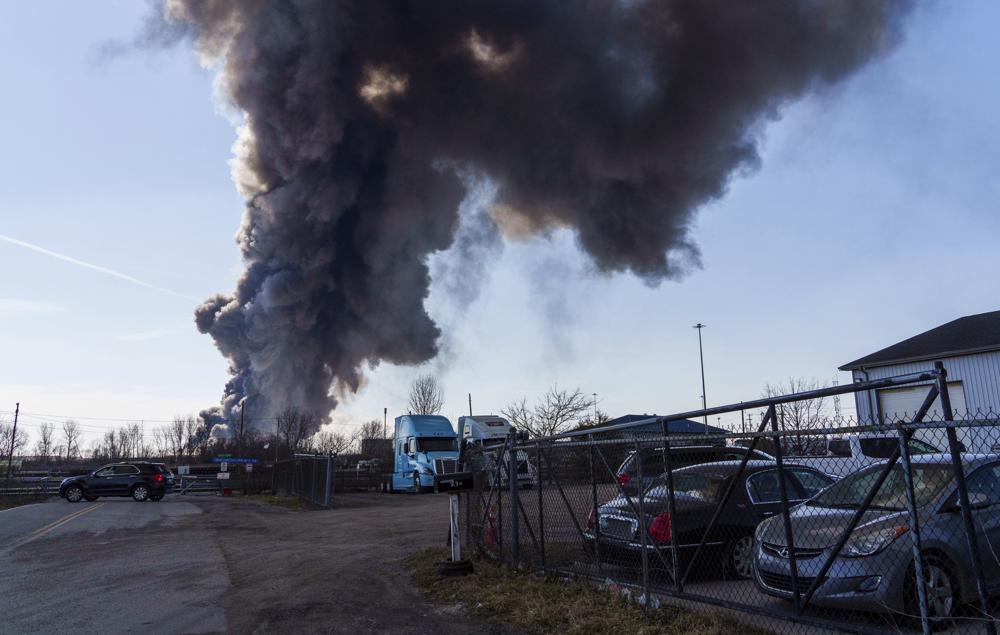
(873, 217)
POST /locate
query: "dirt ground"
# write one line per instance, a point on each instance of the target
(333, 571)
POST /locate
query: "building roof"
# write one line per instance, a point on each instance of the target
(680, 426)
(964, 336)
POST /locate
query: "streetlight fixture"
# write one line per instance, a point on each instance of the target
(701, 356)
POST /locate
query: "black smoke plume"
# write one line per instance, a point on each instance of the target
(615, 119)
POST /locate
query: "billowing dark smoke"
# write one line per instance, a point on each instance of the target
(616, 119)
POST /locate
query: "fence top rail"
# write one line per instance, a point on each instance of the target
(693, 440)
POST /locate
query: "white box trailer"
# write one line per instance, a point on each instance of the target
(490, 432)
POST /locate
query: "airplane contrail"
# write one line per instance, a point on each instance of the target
(98, 268)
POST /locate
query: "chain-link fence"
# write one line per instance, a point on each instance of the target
(882, 526)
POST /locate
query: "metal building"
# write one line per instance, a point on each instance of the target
(969, 347)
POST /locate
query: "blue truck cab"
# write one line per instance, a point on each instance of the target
(425, 454)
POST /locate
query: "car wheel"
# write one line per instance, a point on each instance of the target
(90, 498)
(740, 557)
(140, 493)
(74, 493)
(941, 587)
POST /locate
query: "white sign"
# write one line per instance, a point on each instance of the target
(183, 470)
(223, 475)
(223, 467)
(249, 467)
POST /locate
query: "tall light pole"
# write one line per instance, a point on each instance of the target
(701, 356)
(595, 408)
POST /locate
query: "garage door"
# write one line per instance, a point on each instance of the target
(903, 403)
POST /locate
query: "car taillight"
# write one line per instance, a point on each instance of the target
(592, 519)
(158, 478)
(660, 530)
(624, 480)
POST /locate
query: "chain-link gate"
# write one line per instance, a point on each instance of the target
(899, 530)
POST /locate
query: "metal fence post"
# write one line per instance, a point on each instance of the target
(515, 543)
(541, 514)
(671, 509)
(328, 496)
(963, 496)
(593, 495)
(642, 527)
(783, 489)
(917, 542)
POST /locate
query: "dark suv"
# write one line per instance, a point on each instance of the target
(680, 456)
(138, 479)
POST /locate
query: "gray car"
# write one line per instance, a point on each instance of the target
(874, 571)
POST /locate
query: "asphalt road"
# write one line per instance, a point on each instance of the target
(211, 565)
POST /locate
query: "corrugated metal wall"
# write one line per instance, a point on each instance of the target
(979, 374)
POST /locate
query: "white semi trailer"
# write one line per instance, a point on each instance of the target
(490, 433)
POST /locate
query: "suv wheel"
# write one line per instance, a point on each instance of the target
(140, 493)
(74, 493)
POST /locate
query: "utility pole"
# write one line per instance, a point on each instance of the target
(385, 423)
(243, 407)
(13, 438)
(470, 404)
(701, 356)
(595, 407)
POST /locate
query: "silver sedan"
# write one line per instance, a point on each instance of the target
(874, 571)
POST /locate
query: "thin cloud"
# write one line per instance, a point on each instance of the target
(93, 267)
(144, 336)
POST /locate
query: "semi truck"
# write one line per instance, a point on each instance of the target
(488, 433)
(425, 455)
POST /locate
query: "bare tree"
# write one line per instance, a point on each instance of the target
(592, 419)
(558, 410)
(295, 426)
(800, 416)
(7, 437)
(373, 429)
(71, 438)
(329, 442)
(426, 396)
(46, 439)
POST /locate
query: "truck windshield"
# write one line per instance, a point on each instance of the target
(436, 444)
(850, 492)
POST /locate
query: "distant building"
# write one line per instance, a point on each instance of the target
(677, 427)
(969, 348)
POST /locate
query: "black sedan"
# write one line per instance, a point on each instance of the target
(138, 479)
(613, 529)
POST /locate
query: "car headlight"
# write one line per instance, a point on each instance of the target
(758, 533)
(870, 541)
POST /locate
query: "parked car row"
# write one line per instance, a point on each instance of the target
(873, 572)
(139, 479)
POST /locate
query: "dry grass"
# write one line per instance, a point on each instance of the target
(8, 502)
(536, 603)
(293, 503)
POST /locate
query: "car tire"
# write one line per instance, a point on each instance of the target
(90, 498)
(140, 493)
(73, 493)
(739, 557)
(942, 585)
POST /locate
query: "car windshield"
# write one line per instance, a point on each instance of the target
(700, 486)
(928, 481)
(436, 444)
(883, 447)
